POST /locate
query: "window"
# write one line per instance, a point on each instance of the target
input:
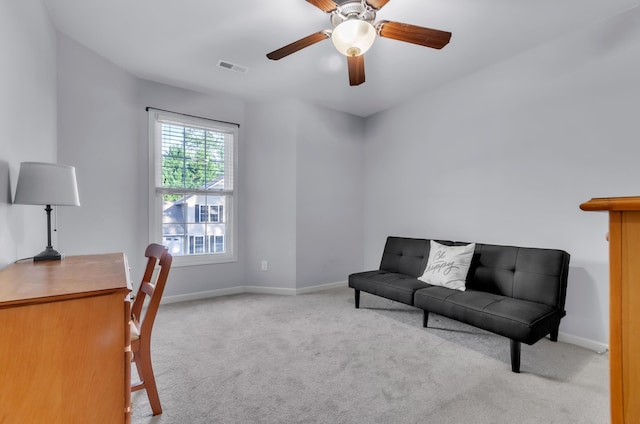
(196, 244)
(215, 244)
(218, 243)
(205, 213)
(192, 187)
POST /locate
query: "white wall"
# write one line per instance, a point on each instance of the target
(508, 154)
(329, 195)
(303, 205)
(27, 119)
(97, 133)
(270, 189)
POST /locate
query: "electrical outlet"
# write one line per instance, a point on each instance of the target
(265, 265)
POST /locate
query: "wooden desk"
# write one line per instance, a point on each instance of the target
(624, 304)
(64, 341)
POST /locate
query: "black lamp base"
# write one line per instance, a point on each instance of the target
(49, 254)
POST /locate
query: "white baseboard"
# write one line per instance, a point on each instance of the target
(250, 289)
(270, 290)
(201, 295)
(597, 347)
(321, 287)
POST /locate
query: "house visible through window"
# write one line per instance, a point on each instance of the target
(192, 187)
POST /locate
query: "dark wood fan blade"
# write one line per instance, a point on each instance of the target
(427, 37)
(326, 5)
(356, 69)
(297, 45)
(377, 4)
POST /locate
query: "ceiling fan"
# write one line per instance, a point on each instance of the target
(354, 31)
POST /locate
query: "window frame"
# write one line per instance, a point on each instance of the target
(155, 117)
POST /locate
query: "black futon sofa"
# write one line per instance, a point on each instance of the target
(516, 292)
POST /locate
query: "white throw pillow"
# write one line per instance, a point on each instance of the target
(448, 266)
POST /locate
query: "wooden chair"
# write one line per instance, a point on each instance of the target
(141, 323)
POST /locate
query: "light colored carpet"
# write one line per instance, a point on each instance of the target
(314, 358)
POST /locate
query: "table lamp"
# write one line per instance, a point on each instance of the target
(47, 184)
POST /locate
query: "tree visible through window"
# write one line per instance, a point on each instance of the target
(191, 157)
(193, 191)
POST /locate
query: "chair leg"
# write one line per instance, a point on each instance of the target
(515, 356)
(357, 297)
(425, 319)
(145, 372)
(150, 385)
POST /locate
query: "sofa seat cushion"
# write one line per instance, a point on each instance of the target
(391, 285)
(517, 319)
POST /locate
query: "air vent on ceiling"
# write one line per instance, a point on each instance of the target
(224, 64)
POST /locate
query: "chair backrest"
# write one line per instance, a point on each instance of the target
(152, 285)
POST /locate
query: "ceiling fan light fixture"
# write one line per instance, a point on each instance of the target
(353, 37)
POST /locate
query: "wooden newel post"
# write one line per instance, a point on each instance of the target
(624, 304)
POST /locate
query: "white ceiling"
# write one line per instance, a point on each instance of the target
(179, 42)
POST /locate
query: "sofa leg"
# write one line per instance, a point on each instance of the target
(357, 297)
(515, 356)
(425, 319)
(554, 333)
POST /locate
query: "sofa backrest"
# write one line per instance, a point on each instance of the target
(405, 256)
(533, 274)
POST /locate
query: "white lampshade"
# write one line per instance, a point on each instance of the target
(47, 184)
(353, 37)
